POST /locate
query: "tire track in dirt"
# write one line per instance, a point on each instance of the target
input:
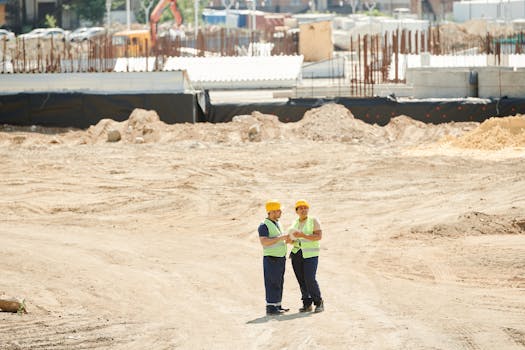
(518, 336)
(466, 336)
(442, 272)
(65, 332)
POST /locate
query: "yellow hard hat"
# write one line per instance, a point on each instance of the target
(301, 203)
(273, 205)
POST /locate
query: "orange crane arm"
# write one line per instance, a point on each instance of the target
(157, 12)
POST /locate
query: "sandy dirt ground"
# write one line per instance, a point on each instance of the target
(151, 243)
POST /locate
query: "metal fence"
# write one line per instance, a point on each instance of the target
(372, 59)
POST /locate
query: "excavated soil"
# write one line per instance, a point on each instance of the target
(150, 241)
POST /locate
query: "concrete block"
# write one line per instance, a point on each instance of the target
(501, 81)
(132, 82)
(439, 82)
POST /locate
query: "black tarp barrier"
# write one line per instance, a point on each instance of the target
(82, 110)
(286, 111)
(380, 110)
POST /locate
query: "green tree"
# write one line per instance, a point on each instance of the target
(92, 10)
(118, 4)
(51, 21)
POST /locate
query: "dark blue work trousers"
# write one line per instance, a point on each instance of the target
(305, 271)
(274, 279)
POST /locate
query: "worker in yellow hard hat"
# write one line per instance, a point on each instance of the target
(273, 242)
(306, 233)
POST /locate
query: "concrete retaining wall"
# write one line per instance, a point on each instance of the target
(440, 82)
(491, 82)
(501, 81)
(132, 82)
(332, 68)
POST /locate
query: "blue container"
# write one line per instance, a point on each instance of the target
(243, 19)
(215, 17)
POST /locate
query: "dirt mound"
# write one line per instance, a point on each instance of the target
(481, 27)
(142, 126)
(474, 224)
(257, 127)
(404, 130)
(254, 127)
(471, 34)
(455, 36)
(493, 134)
(35, 135)
(333, 122)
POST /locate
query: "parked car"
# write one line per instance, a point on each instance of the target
(83, 34)
(35, 33)
(45, 33)
(7, 40)
(6, 35)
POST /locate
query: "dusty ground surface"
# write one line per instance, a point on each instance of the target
(151, 242)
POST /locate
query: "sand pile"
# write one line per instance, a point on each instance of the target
(493, 134)
(257, 127)
(474, 224)
(480, 27)
(254, 127)
(141, 127)
(333, 122)
(471, 34)
(407, 131)
(34, 136)
(145, 126)
(455, 36)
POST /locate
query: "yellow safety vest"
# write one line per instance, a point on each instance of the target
(309, 248)
(277, 249)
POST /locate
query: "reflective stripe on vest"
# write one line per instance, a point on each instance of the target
(309, 248)
(277, 249)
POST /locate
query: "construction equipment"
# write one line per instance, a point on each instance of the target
(157, 12)
(131, 43)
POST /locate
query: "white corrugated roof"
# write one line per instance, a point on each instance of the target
(135, 64)
(237, 69)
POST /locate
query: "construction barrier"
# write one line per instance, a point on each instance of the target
(81, 110)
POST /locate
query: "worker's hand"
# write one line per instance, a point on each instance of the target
(289, 240)
(285, 237)
(299, 234)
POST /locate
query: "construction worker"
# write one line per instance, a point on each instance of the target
(306, 234)
(274, 260)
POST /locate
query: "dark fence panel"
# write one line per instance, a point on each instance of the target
(83, 110)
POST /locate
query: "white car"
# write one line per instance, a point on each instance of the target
(45, 33)
(83, 34)
(7, 41)
(6, 35)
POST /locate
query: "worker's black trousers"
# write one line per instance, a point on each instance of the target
(274, 279)
(305, 271)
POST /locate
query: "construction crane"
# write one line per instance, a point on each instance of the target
(157, 12)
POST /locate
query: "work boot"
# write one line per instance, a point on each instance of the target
(306, 308)
(272, 310)
(319, 307)
(283, 309)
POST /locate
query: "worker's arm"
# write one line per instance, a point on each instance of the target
(267, 241)
(316, 236)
